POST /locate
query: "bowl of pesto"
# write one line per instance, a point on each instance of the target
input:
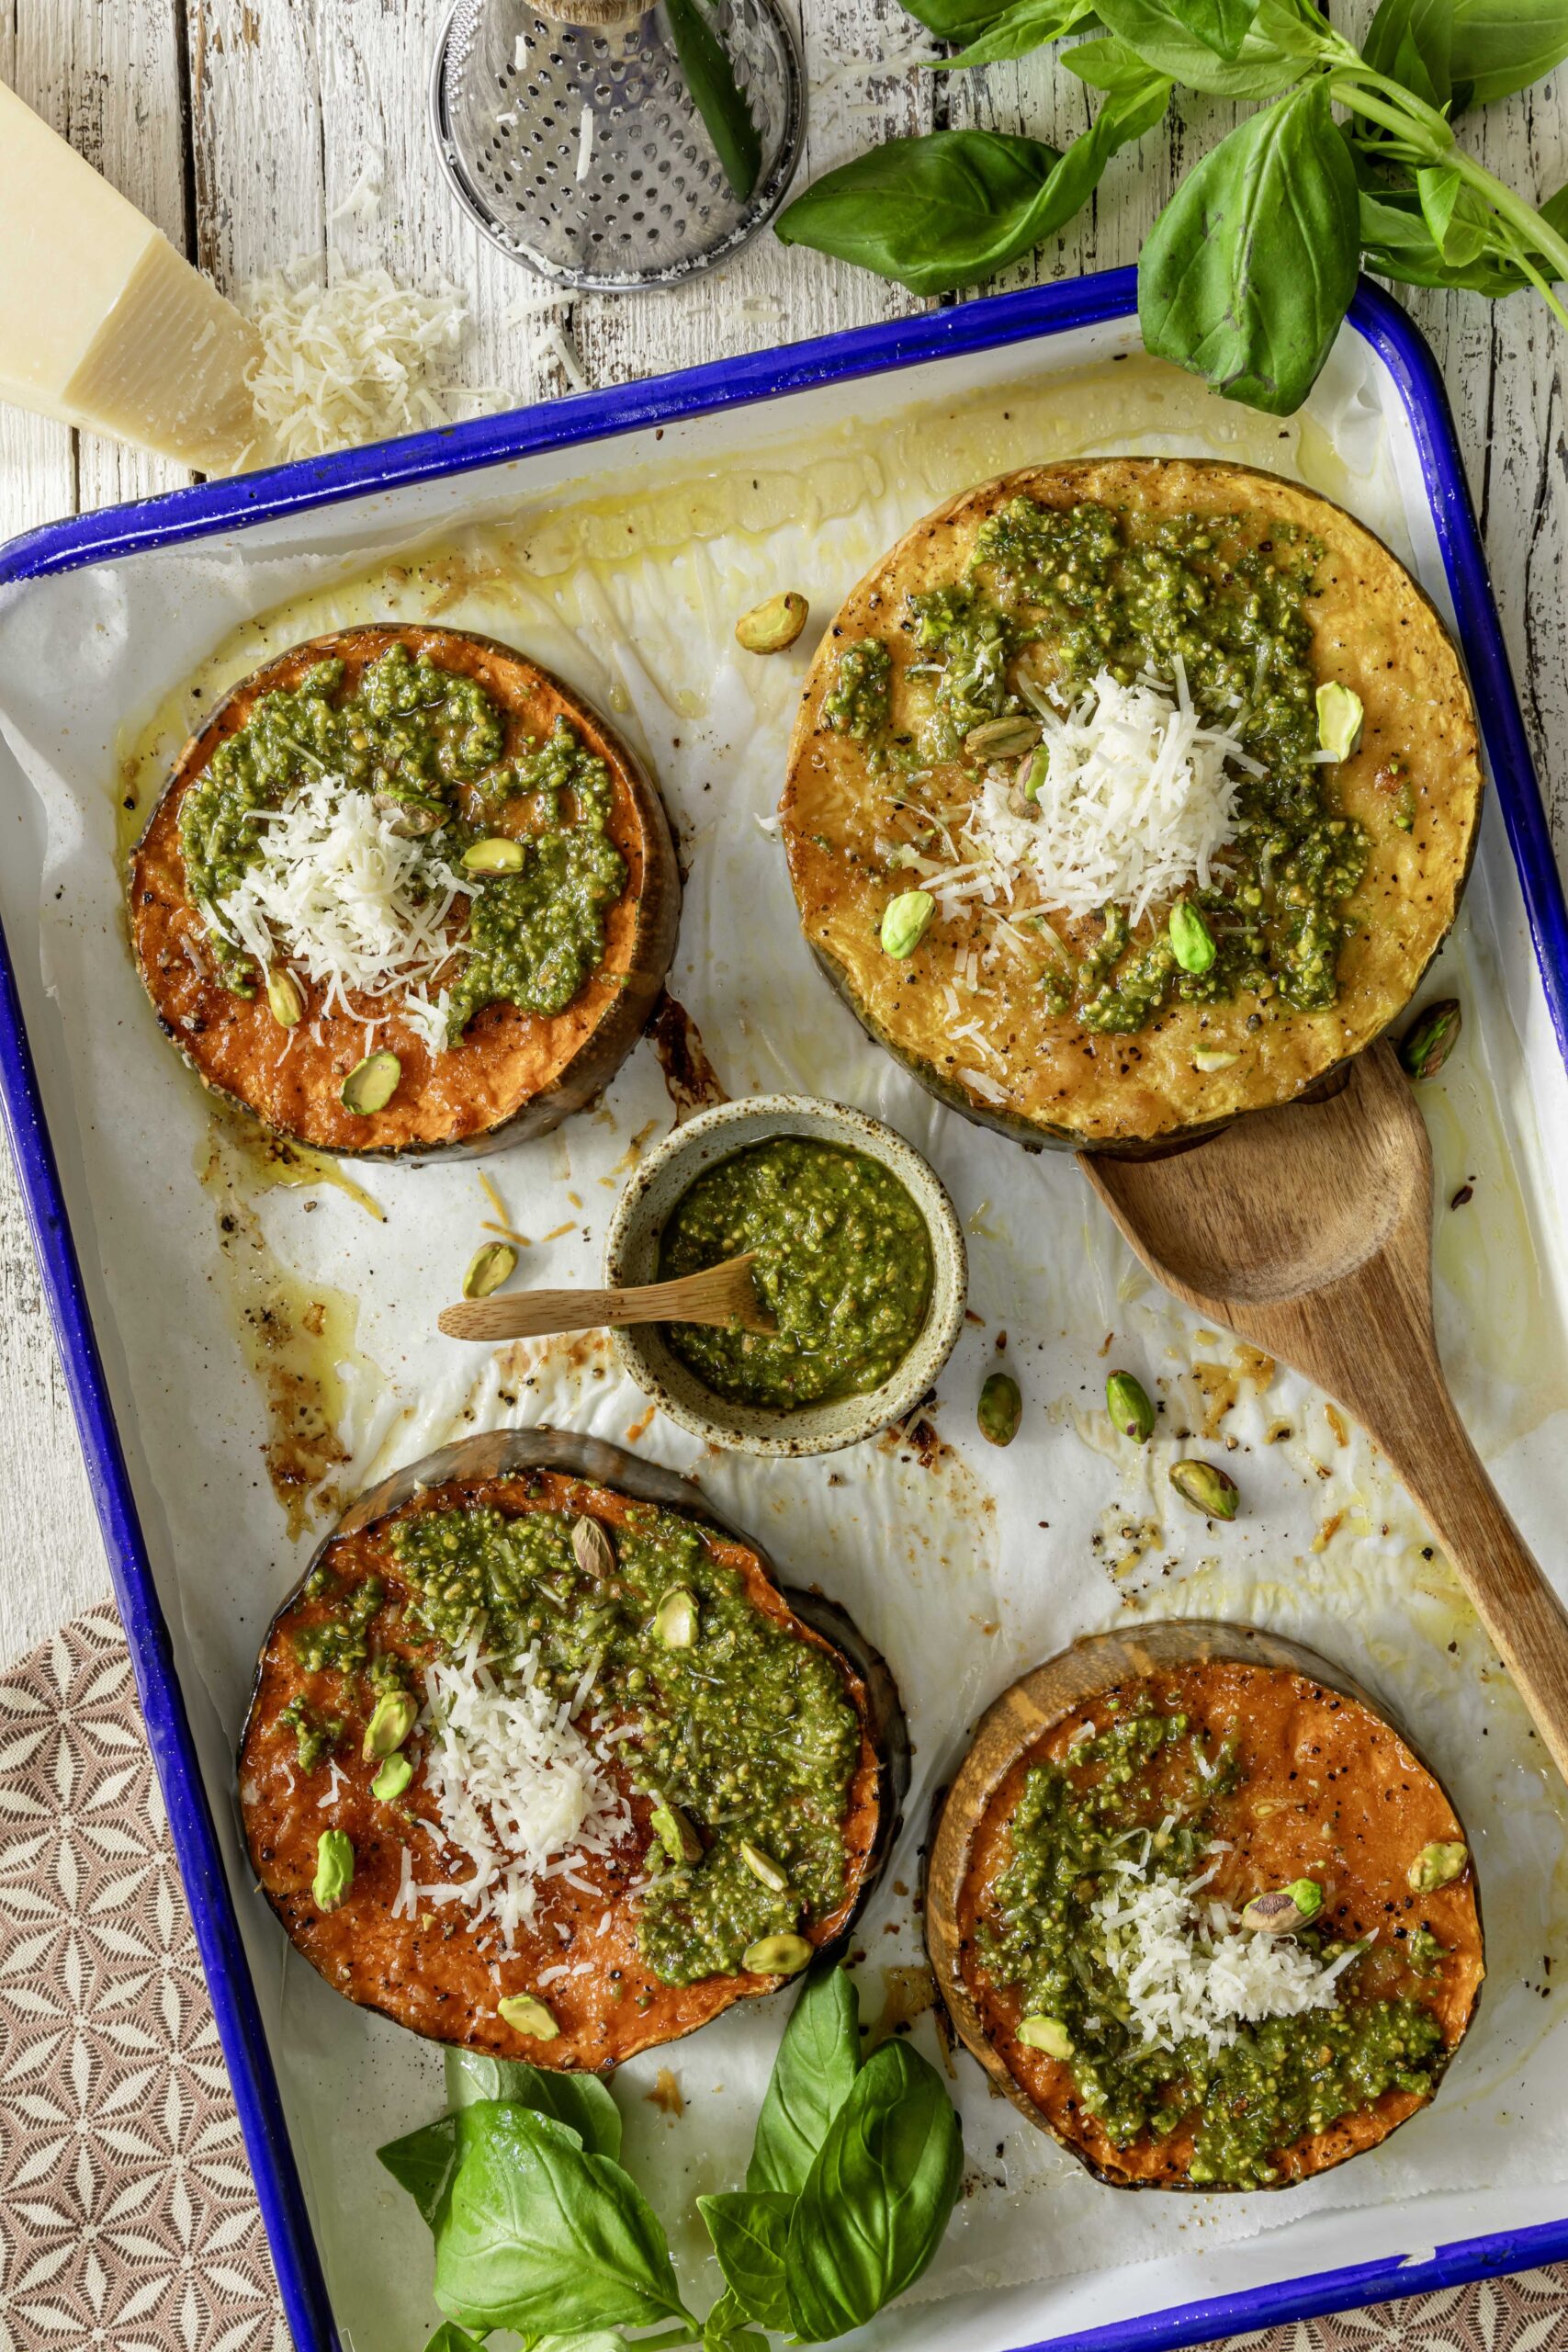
(859, 1258)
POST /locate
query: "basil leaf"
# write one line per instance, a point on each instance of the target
(1461, 53)
(954, 207)
(1459, 223)
(450, 2337)
(718, 97)
(580, 2101)
(1026, 25)
(817, 2062)
(750, 2233)
(1275, 53)
(957, 19)
(538, 2234)
(1248, 271)
(1396, 242)
(878, 2198)
(423, 2162)
(1220, 25)
(725, 2328)
(1111, 66)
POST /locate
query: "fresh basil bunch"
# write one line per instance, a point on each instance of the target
(1247, 273)
(538, 2227)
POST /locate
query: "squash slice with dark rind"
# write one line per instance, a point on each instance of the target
(429, 1972)
(513, 1073)
(1353, 1822)
(1042, 1077)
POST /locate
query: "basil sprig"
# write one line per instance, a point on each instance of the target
(1247, 275)
(538, 2226)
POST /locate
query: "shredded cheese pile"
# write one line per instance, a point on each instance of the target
(1137, 798)
(351, 902)
(1187, 1969)
(521, 1793)
(361, 359)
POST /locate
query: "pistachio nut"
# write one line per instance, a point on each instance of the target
(776, 1956)
(1127, 1402)
(284, 996)
(905, 922)
(592, 1548)
(1003, 739)
(1339, 719)
(1284, 1910)
(409, 819)
(1209, 1058)
(495, 854)
(1032, 771)
(1000, 1408)
(675, 1619)
(1437, 1865)
(764, 1867)
(1206, 1487)
(1431, 1038)
(371, 1084)
(494, 1263)
(674, 1832)
(392, 1778)
(1192, 940)
(525, 2013)
(335, 1868)
(769, 628)
(392, 1718)
(1048, 2034)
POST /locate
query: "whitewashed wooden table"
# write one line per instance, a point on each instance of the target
(244, 126)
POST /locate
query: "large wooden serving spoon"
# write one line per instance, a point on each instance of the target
(1308, 1231)
(724, 1294)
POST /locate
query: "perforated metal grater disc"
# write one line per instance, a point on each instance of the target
(639, 197)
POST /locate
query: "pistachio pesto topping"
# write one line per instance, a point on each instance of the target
(742, 1738)
(1175, 649)
(1251, 2029)
(387, 840)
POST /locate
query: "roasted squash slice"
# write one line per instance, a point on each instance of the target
(1352, 1920)
(987, 1011)
(618, 1946)
(513, 1072)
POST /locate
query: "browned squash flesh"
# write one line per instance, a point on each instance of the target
(1327, 1790)
(430, 1972)
(513, 1073)
(1374, 630)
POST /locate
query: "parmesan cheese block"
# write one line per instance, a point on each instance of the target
(102, 323)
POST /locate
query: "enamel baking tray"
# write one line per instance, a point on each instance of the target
(1248, 2289)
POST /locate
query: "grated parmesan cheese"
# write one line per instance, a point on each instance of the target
(1183, 1975)
(351, 901)
(520, 1793)
(360, 359)
(1136, 802)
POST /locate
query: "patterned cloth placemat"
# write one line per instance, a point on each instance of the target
(128, 2218)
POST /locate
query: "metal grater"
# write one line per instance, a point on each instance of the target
(639, 200)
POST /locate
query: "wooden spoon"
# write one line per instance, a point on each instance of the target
(1308, 1231)
(719, 1294)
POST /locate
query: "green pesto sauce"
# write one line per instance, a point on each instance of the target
(1086, 588)
(749, 1732)
(843, 1265)
(859, 701)
(315, 1735)
(1281, 2078)
(432, 743)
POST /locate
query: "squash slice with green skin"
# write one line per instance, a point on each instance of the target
(1414, 783)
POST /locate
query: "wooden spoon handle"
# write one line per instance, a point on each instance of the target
(713, 1297)
(1525, 1619)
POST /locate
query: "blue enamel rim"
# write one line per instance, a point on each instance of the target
(186, 515)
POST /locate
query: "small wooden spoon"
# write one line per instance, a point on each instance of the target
(719, 1294)
(1308, 1231)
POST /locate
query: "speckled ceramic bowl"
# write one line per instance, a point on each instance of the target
(631, 1253)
